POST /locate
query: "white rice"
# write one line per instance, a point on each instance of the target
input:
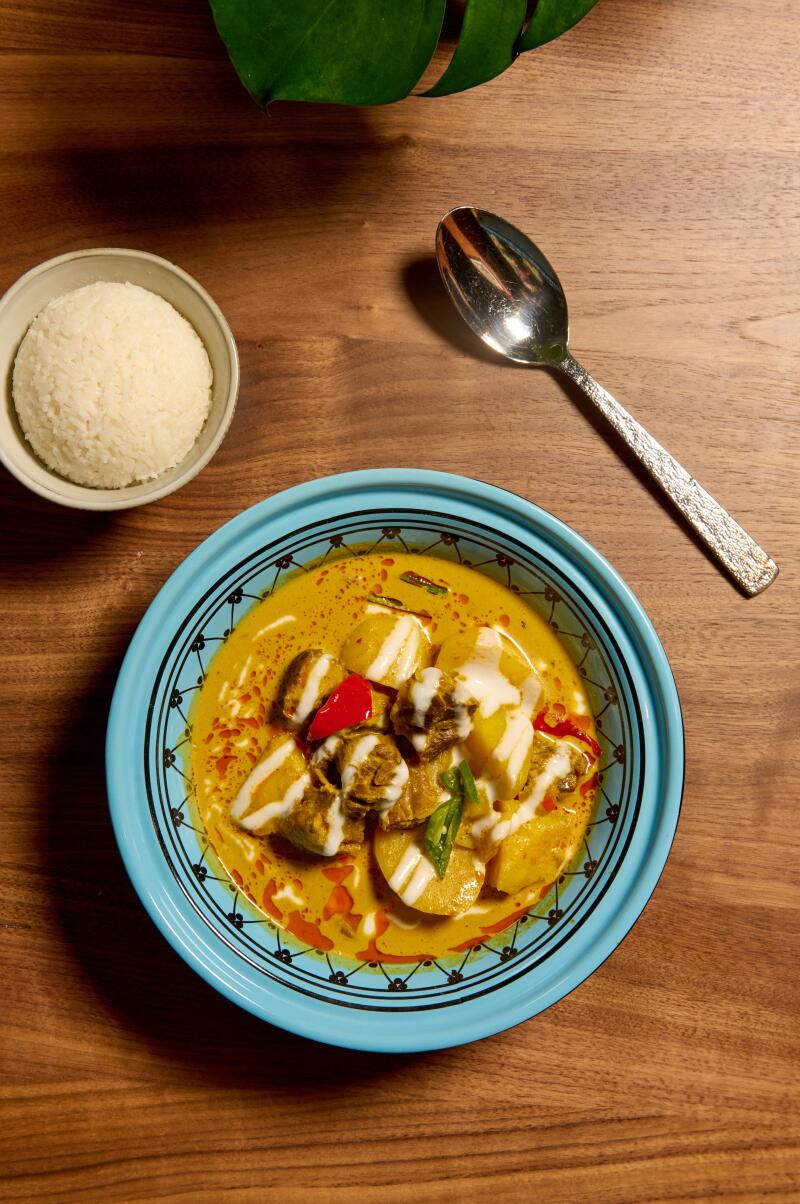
(111, 385)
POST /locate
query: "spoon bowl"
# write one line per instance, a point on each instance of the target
(507, 292)
(503, 286)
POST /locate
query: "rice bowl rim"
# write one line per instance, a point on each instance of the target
(153, 272)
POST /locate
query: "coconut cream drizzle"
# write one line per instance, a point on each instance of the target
(369, 924)
(480, 677)
(275, 623)
(286, 893)
(515, 744)
(557, 766)
(531, 690)
(257, 819)
(260, 773)
(421, 692)
(412, 874)
(326, 750)
(357, 757)
(308, 699)
(335, 819)
(395, 787)
(419, 741)
(422, 875)
(398, 651)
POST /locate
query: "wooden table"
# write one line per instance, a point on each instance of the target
(653, 154)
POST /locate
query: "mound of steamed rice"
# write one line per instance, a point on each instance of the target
(111, 385)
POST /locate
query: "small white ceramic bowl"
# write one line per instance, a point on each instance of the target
(53, 278)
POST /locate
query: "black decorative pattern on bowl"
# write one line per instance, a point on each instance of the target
(536, 935)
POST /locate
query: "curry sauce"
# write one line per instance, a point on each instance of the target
(352, 902)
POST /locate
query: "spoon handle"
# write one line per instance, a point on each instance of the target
(747, 563)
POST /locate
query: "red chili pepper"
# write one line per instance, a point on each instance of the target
(566, 727)
(549, 804)
(590, 785)
(349, 704)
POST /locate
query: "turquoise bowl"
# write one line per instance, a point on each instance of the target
(512, 975)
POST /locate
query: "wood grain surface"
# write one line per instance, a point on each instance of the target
(653, 154)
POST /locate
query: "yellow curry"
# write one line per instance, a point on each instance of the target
(394, 758)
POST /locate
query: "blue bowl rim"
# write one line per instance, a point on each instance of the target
(490, 498)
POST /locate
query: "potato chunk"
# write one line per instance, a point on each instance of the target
(537, 838)
(275, 784)
(386, 648)
(405, 866)
(535, 854)
(307, 682)
(491, 670)
(499, 748)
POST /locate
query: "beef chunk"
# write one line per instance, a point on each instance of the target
(431, 712)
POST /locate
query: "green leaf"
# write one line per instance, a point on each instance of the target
(486, 47)
(369, 52)
(551, 19)
(389, 603)
(396, 604)
(358, 52)
(425, 583)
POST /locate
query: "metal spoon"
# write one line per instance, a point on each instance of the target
(505, 289)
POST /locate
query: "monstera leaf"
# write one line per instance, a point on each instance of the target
(371, 52)
(551, 18)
